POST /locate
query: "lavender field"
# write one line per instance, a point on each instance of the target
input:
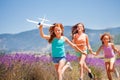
(21, 66)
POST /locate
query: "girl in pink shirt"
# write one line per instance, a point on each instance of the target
(108, 49)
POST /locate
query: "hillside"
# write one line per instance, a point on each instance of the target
(31, 40)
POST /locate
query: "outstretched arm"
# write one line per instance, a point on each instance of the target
(73, 45)
(88, 45)
(115, 49)
(99, 49)
(42, 33)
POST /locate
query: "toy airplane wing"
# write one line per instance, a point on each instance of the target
(42, 22)
(47, 24)
(32, 21)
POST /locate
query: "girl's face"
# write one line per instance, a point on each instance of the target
(80, 28)
(106, 39)
(57, 31)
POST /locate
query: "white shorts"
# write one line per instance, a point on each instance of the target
(110, 59)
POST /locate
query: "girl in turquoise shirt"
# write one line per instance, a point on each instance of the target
(57, 40)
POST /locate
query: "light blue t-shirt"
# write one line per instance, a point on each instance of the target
(58, 49)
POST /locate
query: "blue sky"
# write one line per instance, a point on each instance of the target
(95, 14)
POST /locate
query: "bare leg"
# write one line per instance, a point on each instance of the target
(82, 61)
(107, 65)
(111, 66)
(86, 68)
(60, 67)
(112, 69)
(67, 65)
(56, 67)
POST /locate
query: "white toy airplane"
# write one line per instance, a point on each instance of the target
(42, 22)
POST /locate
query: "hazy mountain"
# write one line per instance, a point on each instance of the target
(31, 40)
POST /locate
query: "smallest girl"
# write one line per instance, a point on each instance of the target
(109, 50)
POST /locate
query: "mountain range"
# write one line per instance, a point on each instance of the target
(31, 40)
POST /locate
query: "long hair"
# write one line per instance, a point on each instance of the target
(74, 29)
(51, 31)
(106, 34)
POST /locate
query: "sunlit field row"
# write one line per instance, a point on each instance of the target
(40, 67)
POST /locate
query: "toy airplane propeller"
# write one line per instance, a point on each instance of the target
(43, 20)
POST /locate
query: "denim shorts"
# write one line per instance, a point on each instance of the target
(57, 59)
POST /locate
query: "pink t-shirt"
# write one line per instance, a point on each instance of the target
(108, 51)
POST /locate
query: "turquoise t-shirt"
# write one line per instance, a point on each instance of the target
(58, 49)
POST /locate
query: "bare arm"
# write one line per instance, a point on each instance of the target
(88, 45)
(42, 33)
(73, 45)
(87, 42)
(114, 48)
(99, 49)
